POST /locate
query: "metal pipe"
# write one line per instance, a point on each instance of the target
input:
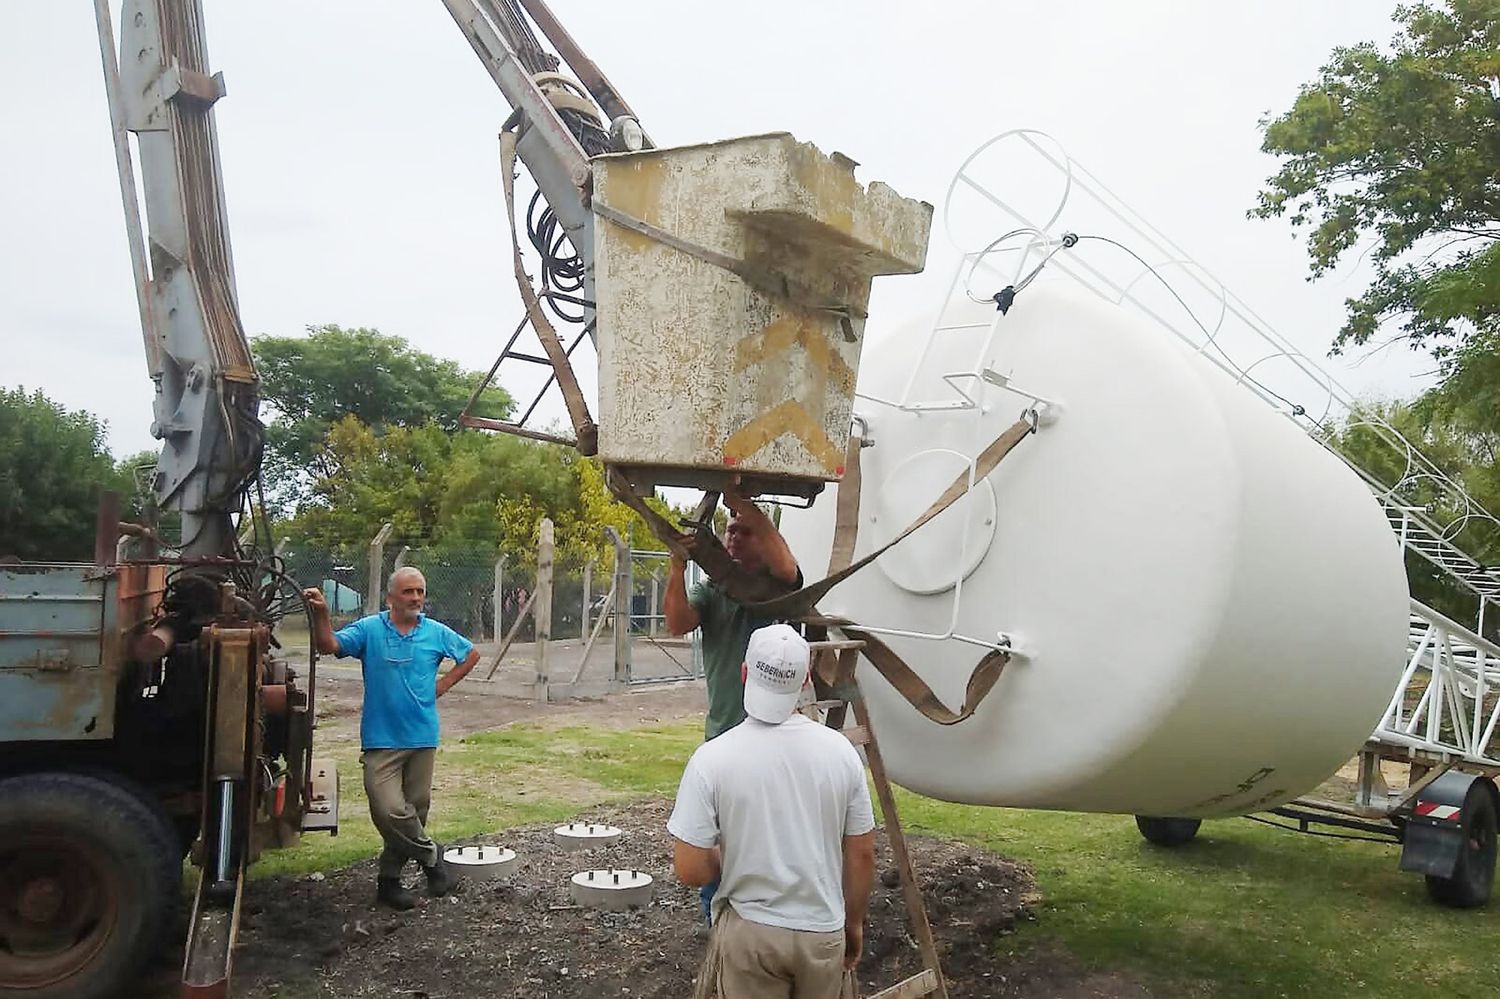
(223, 869)
(107, 528)
(485, 423)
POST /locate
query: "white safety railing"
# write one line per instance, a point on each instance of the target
(1448, 701)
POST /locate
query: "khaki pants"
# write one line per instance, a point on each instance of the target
(398, 784)
(748, 960)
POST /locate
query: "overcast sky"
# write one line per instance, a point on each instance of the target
(360, 158)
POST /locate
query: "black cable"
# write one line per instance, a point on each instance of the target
(562, 272)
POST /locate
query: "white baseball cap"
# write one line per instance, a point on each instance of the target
(775, 670)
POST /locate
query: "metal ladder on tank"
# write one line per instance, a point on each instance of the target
(833, 671)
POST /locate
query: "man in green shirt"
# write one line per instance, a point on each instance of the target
(753, 541)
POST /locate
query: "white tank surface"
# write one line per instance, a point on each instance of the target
(1212, 607)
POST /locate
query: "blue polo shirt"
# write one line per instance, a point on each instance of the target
(400, 709)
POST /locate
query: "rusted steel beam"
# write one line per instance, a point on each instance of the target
(588, 71)
(107, 528)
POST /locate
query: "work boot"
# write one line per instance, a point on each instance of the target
(392, 893)
(441, 877)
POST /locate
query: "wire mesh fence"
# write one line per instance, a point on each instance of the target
(463, 585)
(490, 599)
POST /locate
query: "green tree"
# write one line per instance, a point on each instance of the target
(312, 382)
(461, 491)
(1402, 146)
(53, 465)
(1442, 431)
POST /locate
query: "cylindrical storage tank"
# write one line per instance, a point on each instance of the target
(1213, 607)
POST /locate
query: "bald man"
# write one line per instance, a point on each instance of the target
(399, 651)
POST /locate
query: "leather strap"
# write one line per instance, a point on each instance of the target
(914, 689)
(799, 603)
(705, 549)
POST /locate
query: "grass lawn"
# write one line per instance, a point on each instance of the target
(1244, 911)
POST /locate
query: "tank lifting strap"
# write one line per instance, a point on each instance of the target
(899, 674)
(758, 591)
(800, 602)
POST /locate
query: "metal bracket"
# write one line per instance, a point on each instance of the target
(1013, 646)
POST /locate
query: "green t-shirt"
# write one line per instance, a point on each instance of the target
(726, 626)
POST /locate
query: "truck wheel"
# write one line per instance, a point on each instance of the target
(1474, 875)
(89, 876)
(1167, 832)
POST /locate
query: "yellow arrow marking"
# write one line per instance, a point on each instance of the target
(779, 337)
(787, 418)
(792, 416)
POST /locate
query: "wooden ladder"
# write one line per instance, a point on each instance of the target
(833, 665)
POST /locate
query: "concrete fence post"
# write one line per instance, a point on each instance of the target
(542, 614)
(588, 585)
(655, 595)
(499, 598)
(624, 584)
(376, 580)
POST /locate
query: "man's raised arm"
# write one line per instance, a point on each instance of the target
(774, 551)
(682, 617)
(322, 627)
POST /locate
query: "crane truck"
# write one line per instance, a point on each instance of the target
(146, 713)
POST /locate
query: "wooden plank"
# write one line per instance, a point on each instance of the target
(588, 648)
(923, 983)
(916, 911)
(843, 676)
(835, 646)
(515, 629)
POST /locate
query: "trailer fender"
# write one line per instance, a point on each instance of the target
(1434, 827)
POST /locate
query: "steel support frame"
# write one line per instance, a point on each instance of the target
(1446, 706)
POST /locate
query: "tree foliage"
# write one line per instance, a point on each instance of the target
(53, 465)
(311, 383)
(465, 490)
(1401, 146)
(1458, 437)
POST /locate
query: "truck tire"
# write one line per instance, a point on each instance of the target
(1166, 831)
(1474, 874)
(89, 878)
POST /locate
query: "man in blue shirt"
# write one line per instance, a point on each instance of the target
(399, 650)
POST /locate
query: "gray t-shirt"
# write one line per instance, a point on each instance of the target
(778, 800)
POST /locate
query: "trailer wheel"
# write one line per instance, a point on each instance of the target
(89, 875)
(1474, 874)
(1167, 831)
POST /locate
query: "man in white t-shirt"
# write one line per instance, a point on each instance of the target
(777, 808)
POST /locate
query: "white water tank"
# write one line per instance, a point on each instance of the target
(1214, 606)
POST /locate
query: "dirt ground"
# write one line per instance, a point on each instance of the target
(322, 935)
(325, 937)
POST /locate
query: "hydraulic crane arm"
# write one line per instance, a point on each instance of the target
(205, 410)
